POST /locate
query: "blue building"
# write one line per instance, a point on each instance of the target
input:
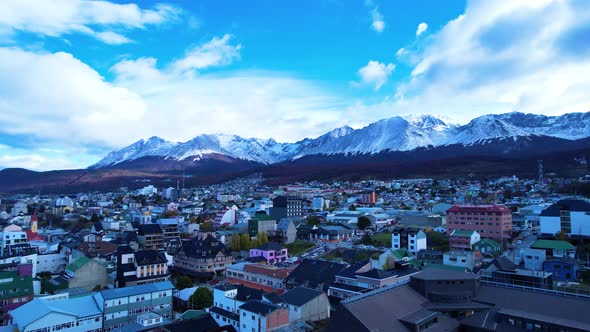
(562, 269)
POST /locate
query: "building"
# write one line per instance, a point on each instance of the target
(286, 232)
(16, 289)
(555, 248)
(571, 216)
(12, 235)
(79, 314)
(141, 267)
(487, 246)
(317, 203)
(370, 198)
(170, 232)
(412, 239)
(266, 277)
(462, 258)
(490, 221)
(289, 207)
(562, 269)
(445, 300)
(335, 233)
(533, 259)
(258, 316)
(202, 257)
(150, 237)
(227, 300)
(306, 304)
(462, 239)
(272, 252)
(84, 273)
(313, 273)
(227, 216)
(261, 224)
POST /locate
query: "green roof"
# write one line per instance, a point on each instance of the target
(461, 232)
(487, 242)
(553, 244)
(78, 263)
(400, 253)
(190, 314)
(11, 281)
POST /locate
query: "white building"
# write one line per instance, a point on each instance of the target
(571, 216)
(534, 258)
(465, 259)
(412, 239)
(317, 203)
(19, 207)
(11, 235)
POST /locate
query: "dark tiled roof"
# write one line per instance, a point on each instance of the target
(206, 248)
(554, 210)
(201, 324)
(225, 313)
(273, 298)
(270, 246)
(314, 273)
(301, 295)
(145, 229)
(149, 257)
(259, 307)
(376, 274)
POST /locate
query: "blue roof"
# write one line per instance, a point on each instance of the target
(116, 293)
(84, 306)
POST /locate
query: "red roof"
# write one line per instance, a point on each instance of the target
(479, 208)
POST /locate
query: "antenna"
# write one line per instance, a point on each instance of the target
(540, 165)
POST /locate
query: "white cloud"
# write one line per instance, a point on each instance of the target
(527, 56)
(375, 73)
(421, 28)
(217, 52)
(378, 23)
(60, 17)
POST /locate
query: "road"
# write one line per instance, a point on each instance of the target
(514, 255)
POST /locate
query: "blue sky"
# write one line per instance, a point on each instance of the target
(80, 78)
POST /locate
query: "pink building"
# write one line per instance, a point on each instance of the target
(490, 221)
(462, 239)
(272, 252)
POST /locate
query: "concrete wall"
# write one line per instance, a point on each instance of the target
(89, 276)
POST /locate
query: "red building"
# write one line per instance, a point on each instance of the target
(370, 199)
(490, 221)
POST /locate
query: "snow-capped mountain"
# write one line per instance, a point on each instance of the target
(393, 134)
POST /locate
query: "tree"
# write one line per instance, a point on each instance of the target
(206, 226)
(313, 220)
(235, 243)
(561, 236)
(170, 214)
(363, 222)
(262, 239)
(183, 282)
(202, 298)
(245, 241)
(94, 218)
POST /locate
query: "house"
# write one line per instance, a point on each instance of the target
(490, 221)
(202, 257)
(487, 246)
(259, 316)
(379, 219)
(533, 259)
(571, 216)
(150, 237)
(335, 233)
(227, 300)
(261, 224)
(84, 273)
(141, 267)
(170, 232)
(463, 239)
(306, 304)
(413, 239)
(272, 252)
(462, 258)
(562, 269)
(180, 299)
(555, 248)
(286, 231)
(315, 274)
(16, 289)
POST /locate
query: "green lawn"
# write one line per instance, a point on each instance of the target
(382, 239)
(298, 247)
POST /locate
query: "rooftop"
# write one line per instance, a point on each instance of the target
(552, 244)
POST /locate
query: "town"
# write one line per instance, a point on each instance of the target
(397, 255)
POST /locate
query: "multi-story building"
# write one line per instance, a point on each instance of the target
(265, 277)
(150, 237)
(462, 258)
(122, 306)
(289, 207)
(571, 216)
(261, 224)
(11, 235)
(317, 203)
(258, 316)
(271, 251)
(413, 239)
(203, 257)
(170, 232)
(16, 289)
(141, 267)
(463, 239)
(490, 221)
(370, 198)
